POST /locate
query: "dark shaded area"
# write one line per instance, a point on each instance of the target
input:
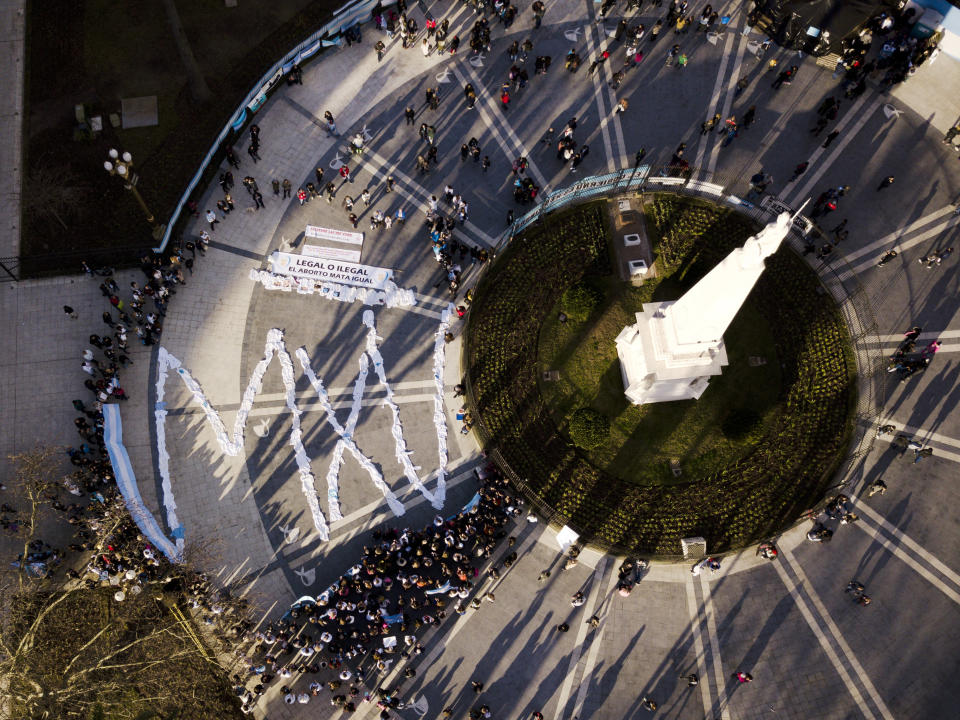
(78, 211)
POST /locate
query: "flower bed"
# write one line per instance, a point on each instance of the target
(795, 455)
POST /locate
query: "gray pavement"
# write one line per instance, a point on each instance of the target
(812, 652)
(12, 59)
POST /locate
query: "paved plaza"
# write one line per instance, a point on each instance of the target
(813, 653)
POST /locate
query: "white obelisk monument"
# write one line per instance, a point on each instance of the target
(675, 346)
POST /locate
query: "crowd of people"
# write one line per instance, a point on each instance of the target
(88, 499)
(379, 611)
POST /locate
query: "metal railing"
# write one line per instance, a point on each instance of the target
(353, 13)
(835, 273)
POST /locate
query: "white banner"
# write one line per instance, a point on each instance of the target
(337, 271)
(331, 253)
(344, 236)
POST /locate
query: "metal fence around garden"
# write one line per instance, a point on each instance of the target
(837, 278)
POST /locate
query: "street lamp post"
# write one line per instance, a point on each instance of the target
(122, 166)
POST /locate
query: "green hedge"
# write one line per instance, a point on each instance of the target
(791, 464)
(588, 428)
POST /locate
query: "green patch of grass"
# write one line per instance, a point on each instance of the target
(645, 438)
(735, 491)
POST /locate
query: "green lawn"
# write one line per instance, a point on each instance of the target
(620, 493)
(644, 439)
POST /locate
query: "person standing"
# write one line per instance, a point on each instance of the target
(212, 219)
(409, 113)
(286, 187)
(381, 49)
(70, 312)
(539, 10)
(258, 200)
(885, 183)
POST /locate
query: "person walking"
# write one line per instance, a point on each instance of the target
(877, 486)
(951, 134)
(70, 312)
(830, 138)
(381, 49)
(409, 113)
(785, 77)
(345, 173)
(287, 186)
(621, 106)
(885, 183)
(742, 677)
(212, 219)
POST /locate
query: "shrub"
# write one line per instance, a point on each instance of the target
(578, 301)
(787, 471)
(588, 428)
(739, 423)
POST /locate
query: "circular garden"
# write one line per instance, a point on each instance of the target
(734, 467)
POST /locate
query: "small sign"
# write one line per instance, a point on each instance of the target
(331, 253)
(344, 236)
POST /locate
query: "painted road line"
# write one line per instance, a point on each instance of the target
(910, 543)
(955, 347)
(597, 80)
(714, 643)
(581, 637)
(899, 233)
(843, 122)
(898, 552)
(728, 99)
(498, 127)
(595, 644)
(699, 650)
(714, 99)
(794, 591)
(840, 145)
(415, 188)
(925, 436)
(902, 245)
(788, 560)
(897, 339)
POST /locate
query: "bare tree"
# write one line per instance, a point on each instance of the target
(71, 650)
(56, 192)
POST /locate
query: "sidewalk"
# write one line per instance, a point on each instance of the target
(12, 59)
